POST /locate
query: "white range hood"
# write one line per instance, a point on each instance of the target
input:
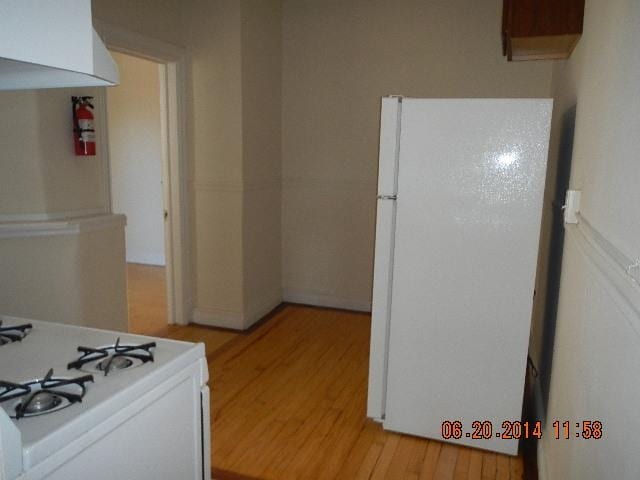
(51, 44)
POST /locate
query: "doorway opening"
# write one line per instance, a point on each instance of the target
(138, 175)
(147, 165)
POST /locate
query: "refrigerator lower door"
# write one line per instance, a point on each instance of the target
(470, 189)
(381, 308)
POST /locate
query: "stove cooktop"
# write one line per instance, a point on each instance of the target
(82, 378)
(123, 365)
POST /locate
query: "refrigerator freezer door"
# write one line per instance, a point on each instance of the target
(385, 226)
(470, 186)
(390, 112)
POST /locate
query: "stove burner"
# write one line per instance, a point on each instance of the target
(117, 363)
(13, 333)
(47, 395)
(41, 402)
(113, 357)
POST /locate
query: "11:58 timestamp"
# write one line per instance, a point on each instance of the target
(586, 429)
(515, 430)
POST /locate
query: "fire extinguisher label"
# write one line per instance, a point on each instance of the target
(87, 132)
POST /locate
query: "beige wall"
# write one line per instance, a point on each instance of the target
(213, 34)
(135, 152)
(161, 19)
(213, 39)
(236, 58)
(262, 156)
(339, 58)
(233, 114)
(77, 277)
(596, 351)
(209, 31)
(235, 52)
(40, 173)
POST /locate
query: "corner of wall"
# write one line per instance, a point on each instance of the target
(261, 307)
(261, 158)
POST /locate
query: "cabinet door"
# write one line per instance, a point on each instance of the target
(541, 29)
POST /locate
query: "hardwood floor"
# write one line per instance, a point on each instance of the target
(146, 290)
(288, 402)
(147, 297)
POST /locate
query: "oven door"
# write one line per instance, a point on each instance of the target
(160, 435)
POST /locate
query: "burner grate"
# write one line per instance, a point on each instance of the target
(113, 357)
(13, 333)
(44, 395)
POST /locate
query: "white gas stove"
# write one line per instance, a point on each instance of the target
(84, 403)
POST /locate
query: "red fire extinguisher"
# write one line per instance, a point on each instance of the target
(84, 134)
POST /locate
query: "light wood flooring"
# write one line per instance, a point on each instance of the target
(146, 291)
(288, 402)
(147, 297)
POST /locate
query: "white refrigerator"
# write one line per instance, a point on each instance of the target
(460, 190)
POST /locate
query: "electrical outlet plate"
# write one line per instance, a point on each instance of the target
(572, 206)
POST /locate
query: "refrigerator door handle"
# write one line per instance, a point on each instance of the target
(387, 197)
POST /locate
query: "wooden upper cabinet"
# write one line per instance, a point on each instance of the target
(541, 29)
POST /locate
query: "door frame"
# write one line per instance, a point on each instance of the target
(173, 94)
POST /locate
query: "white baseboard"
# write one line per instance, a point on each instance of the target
(325, 300)
(237, 320)
(146, 258)
(219, 317)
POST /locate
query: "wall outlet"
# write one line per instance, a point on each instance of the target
(572, 206)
